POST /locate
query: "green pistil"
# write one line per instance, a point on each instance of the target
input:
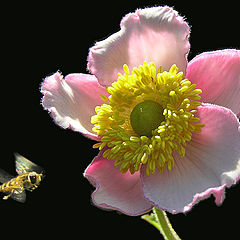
(146, 117)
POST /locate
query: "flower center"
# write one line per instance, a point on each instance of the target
(149, 115)
(146, 117)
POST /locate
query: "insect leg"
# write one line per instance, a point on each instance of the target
(33, 187)
(9, 195)
(13, 191)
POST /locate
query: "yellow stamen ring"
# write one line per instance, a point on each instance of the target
(127, 145)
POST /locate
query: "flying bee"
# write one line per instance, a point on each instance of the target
(29, 178)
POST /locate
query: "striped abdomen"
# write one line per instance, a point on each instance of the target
(10, 185)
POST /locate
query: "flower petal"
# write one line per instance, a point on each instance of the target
(72, 100)
(211, 163)
(156, 34)
(114, 189)
(218, 75)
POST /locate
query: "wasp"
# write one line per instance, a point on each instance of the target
(29, 177)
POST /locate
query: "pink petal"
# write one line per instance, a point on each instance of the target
(116, 190)
(211, 163)
(156, 34)
(218, 75)
(72, 101)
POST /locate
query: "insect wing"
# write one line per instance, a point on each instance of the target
(5, 177)
(23, 165)
(20, 197)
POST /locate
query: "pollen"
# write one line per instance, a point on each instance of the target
(149, 115)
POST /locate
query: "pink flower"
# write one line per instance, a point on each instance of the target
(208, 158)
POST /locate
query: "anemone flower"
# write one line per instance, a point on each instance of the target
(161, 143)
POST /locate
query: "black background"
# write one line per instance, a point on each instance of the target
(37, 40)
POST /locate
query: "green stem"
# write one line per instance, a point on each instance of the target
(165, 226)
